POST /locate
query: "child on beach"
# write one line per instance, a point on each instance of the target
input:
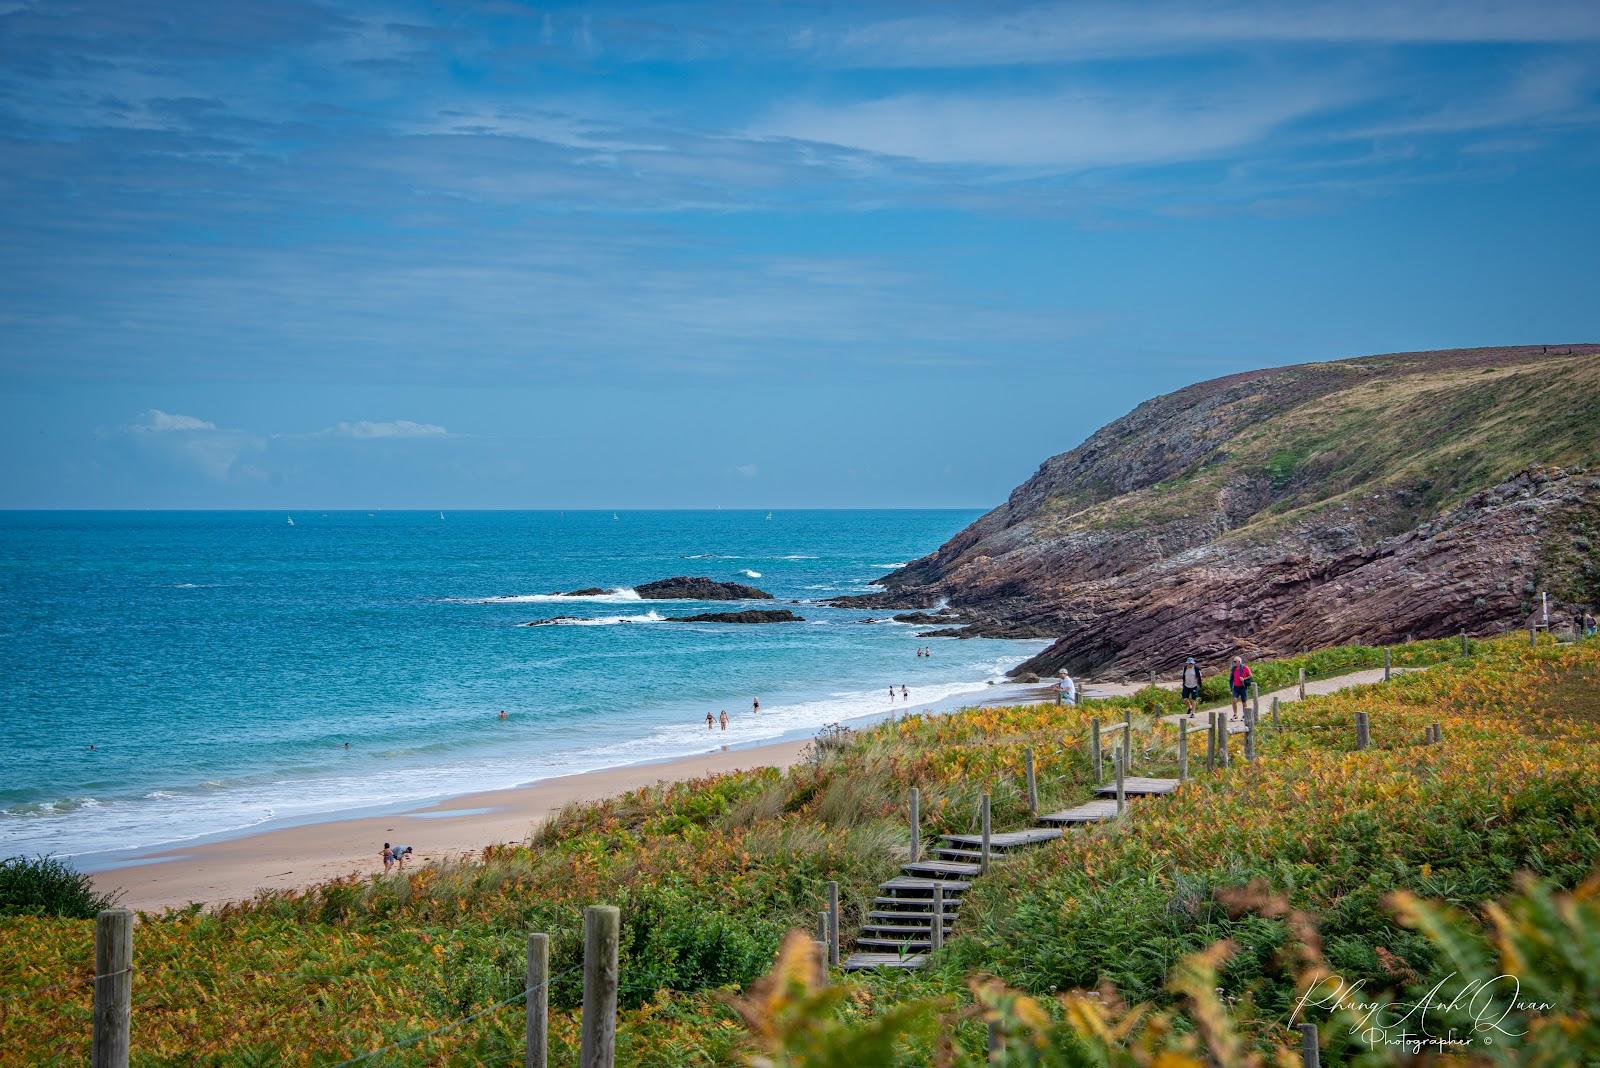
(388, 858)
(1191, 686)
(1239, 681)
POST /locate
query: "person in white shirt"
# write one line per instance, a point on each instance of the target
(1069, 690)
(1191, 686)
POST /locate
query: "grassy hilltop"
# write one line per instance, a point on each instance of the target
(711, 874)
(1293, 508)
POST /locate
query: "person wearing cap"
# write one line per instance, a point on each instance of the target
(1191, 686)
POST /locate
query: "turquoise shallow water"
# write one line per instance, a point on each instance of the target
(218, 662)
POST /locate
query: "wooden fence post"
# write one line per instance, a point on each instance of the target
(916, 825)
(1224, 758)
(1386, 663)
(1121, 797)
(602, 929)
(1310, 1055)
(1302, 684)
(822, 934)
(1211, 741)
(983, 822)
(1127, 742)
(937, 932)
(1033, 783)
(833, 924)
(1183, 750)
(1465, 648)
(1094, 752)
(1438, 734)
(1533, 636)
(113, 988)
(1362, 736)
(1274, 713)
(1250, 743)
(536, 1030)
(1255, 701)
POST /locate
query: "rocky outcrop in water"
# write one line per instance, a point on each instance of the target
(754, 615)
(1274, 511)
(699, 588)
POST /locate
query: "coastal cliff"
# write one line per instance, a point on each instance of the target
(1262, 513)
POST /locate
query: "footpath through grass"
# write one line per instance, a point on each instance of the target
(710, 874)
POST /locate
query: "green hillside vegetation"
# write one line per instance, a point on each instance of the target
(710, 875)
(1399, 444)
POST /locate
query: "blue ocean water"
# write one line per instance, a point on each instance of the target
(218, 662)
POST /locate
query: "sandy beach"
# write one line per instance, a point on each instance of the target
(214, 872)
(292, 857)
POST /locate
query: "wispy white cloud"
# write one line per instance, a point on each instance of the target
(1050, 33)
(155, 420)
(398, 428)
(747, 470)
(1071, 129)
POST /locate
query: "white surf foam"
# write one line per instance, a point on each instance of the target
(747, 573)
(889, 567)
(620, 595)
(651, 616)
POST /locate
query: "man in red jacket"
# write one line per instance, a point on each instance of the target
(1239, 680)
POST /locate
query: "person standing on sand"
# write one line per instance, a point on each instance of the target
(711, 722)
(1191, 686)
(1239, 682)
(1067, 689)
(388, 858)
(724, 718)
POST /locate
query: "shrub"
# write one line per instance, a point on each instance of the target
(45, 886)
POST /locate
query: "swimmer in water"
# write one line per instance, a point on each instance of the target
(905, 692)
(891, 693)
(755, 706)
(504, 714)
(724, 719)
(710, 721)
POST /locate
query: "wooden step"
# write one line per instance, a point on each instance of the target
(912, 883)
(1139, 786)
(861, 961)
(953, 853)
(1005, 839)
(942, 869)
(1088, 812)
(895, 916)
(889, 929)
(918, 906)
(870, 943)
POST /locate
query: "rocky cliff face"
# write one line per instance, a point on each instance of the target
(1278, 510)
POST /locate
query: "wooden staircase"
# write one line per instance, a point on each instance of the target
(899, 931)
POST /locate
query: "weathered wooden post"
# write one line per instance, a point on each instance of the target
(833, 924)
(1250, 743)
(1438, 734)
(536, 1030)
(1302, 684)
(1255, 701)
(1121, 796)
(1274, 713)
(916, 825)
(983, 823)
(1152, 678)
(1183, 750)
(1094, 752)
(1211, 741)
(822, 934)
(1361, 731)
(936, 933)
(1387, 663)
(1127, 742)
(1533, 636)
(1033, 782)
(1310, 1055)
(113, 988)
(1465, 648)
(1223, 738)
(602, 929)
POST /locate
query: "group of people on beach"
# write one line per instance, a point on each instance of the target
(395, 854)
(904, 693)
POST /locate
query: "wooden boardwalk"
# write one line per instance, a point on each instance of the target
(1139, 786)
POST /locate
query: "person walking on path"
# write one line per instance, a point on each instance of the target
(1191, 686)
(1239, 682)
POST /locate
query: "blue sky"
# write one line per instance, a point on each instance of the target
(285, 253)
